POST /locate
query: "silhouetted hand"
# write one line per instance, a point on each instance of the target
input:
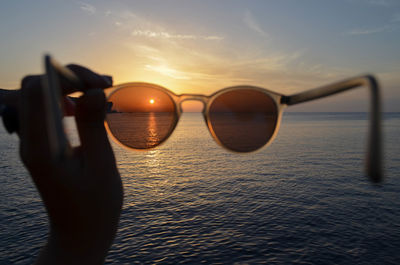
(83, 192)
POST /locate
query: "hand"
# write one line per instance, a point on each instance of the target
(83, 192)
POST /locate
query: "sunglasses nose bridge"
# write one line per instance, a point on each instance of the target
(192, 97)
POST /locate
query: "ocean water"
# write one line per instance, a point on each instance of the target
(304, 199)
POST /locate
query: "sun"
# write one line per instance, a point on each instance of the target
(151, 101)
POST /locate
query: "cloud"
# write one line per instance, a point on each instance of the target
(168, 71)
(251, 22)
(167, 35)
(87, 8)
(185, 67)
(233, 67)
(162, 34)
(212, 37)
(137, 26)
(369, 31)
(197, 61)
(390, 27)
(386, 3)
(380, 3)
(274, 62)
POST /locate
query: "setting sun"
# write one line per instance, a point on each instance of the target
(151, 101)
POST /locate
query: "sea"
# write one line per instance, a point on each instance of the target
(304, 199)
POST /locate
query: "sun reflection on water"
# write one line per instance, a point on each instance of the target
(152, 135)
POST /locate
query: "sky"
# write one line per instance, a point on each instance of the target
(191, 46)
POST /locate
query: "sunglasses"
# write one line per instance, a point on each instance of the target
(240, 118)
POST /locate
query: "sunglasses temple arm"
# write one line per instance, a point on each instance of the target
(374, 154)
(67, 77)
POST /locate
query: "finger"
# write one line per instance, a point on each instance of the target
(9, 109)
(69, 106)
(33, 128)
(9, 97)
(89, 78)
(89, 115)
(10, 118)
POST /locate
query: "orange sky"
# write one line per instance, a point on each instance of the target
(204, 46)
(141, 99)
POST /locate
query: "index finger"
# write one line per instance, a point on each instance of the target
(90, 79)
(75, 78)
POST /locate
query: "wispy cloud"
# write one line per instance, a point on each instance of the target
(168, 71)
(234, 67)
(393, 25)
(250, 21)
(191, 60)
(167, 35)
(208, 70)
(386, 3)
(162, 34)
(137, 26)
(381, 3)
(90, 9)
(277, 61)
(369, 31)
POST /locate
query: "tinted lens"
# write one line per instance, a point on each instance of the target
(243, 120)
(141, 116)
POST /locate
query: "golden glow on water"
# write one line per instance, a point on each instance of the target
(152, 130)
(152, 161)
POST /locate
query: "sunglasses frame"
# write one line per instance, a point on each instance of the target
(281, 101)
(374, 163)
(207, 102)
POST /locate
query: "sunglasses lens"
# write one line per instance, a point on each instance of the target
(141, 116)
(243, 120)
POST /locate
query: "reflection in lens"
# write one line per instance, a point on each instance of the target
(243, 120)
(140, 116)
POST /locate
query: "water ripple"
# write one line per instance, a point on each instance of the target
(303, 200)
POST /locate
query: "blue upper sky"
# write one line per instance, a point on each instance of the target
(202, 46)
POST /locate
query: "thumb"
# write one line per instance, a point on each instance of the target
(89, 116)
